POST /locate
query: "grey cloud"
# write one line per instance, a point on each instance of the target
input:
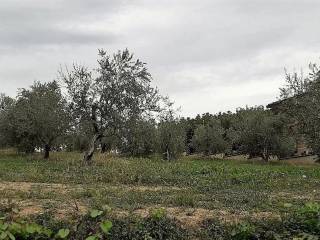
(197, 51)
(55, 22)
(51, 35)
(226, 30)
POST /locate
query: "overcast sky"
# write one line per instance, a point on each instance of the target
(207, 55)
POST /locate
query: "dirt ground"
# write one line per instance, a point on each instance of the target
(188, 217)
(303, 160)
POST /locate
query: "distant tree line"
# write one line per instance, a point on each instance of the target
(115, 107)
(255, 132)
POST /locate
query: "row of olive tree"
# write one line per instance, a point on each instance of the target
(113, 106)
(42, 118)
(263, 133)
(253, 131)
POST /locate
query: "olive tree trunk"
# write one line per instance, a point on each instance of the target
(266, 155)
(166, 154)
(92, 147)
(47, 149)
(96, 137)
(103, 147)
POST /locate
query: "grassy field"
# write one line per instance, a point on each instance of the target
(191, 189)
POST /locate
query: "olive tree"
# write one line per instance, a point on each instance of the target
(139, 138)
(117, 91)
(263, 134)
(209, 138)
(6, 105)
(300, 100)
(78, 137)
(41, 116)
(170, 133)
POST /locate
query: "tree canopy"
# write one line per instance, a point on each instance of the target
(209, 138)
(117, 92)
(301, 102)
(261, 133)
(37, 118)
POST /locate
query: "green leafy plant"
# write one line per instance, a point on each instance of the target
(158, 213)
(95, 213)
(93, 237)
(309, 217)
(243, 231)
(106, 226)
(63, 233)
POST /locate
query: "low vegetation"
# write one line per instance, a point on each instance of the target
(102, 224)
(201, 197)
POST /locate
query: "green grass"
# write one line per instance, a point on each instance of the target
(128, 183)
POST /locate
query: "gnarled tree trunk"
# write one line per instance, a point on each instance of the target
(266, 155)
(89, 153)
(166, 154)
(96, 137)
(47, 149)
(103, 147)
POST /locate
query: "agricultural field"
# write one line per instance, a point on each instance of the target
(192, 191)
